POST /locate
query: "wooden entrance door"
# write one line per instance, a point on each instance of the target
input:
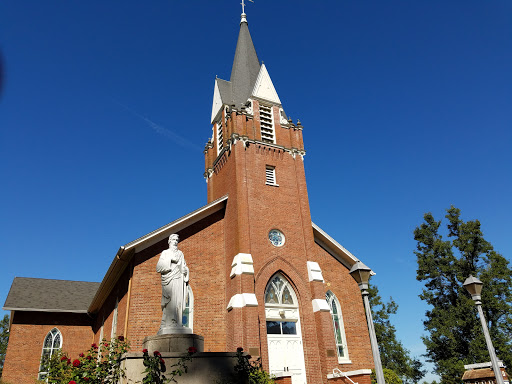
(285, 350)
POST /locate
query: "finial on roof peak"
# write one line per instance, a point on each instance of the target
(244, 16)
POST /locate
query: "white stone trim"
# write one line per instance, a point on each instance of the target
(320, 305)
(242, 300)
(217, 102)
(337, 373)
(264, 88)
(314, 271)
(242, 263)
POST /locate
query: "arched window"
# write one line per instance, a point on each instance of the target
(339, 330)
(278, 292)
(280, 304)
(284, 336)
(52, 343)
(188, 311)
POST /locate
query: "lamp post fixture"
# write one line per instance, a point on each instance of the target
(474, 287)
(361, 274)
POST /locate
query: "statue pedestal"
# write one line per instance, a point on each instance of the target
(173, 343)
(174, 330)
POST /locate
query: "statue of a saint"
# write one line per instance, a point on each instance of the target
(174, 272)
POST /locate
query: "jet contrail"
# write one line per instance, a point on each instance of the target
(162, 130)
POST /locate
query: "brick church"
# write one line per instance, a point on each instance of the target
(262, 275)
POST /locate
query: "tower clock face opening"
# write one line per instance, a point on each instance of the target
(276, 237)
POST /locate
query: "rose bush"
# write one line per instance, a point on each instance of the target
(99, 365)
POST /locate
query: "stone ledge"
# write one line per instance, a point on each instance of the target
(173, 343)
(202, 368)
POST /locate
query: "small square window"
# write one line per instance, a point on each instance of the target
(270, 175)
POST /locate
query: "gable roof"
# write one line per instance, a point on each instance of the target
(333, 247)
(45, 295)
(126, 252)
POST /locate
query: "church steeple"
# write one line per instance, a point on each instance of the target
(247, 110)
(246, 66)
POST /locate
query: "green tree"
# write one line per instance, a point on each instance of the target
(4, 338)
(394, 355)
(454, 331)
(390, 377)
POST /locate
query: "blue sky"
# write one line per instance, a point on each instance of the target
(105, 110)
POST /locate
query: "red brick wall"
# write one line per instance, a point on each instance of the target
(338, 280)
(203, 247)
(106, 312)
(27, 335)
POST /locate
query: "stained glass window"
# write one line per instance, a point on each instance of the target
(270, 296)
(52, 343)
(337, 322)
(279, 292)
(276, 237)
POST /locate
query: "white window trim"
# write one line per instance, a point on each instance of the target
(101, 337)
(219, 134)
(272, 127)
(52, 350)
(190, 308)
(341, 359)
(270, 176)
(113, 332)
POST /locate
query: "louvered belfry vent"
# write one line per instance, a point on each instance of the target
(267, 124)
(220, 143)
(270, 175)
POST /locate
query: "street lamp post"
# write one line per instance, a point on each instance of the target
(474, 287)
(361, 274)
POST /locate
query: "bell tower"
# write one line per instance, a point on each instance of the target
(256, 157)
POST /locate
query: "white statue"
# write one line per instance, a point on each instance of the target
(175, 276)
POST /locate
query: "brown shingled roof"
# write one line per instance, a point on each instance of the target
(30, 294)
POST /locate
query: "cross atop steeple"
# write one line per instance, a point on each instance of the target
(244, 19)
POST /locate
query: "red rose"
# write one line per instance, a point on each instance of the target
(81, 355)
(239, 349)
(63, 358)
(192, 350)
(162, 361)
(69, 361)
(89, 357)
(144, 350)
(94, 346)
(76, 363)
(121, 338)
(156, 353)
(86, 379)
(105, 344)
(72, 382)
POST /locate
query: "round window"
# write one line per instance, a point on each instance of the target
(276, 237)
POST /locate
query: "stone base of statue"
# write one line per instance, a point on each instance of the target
(174, 330)
(174, 342)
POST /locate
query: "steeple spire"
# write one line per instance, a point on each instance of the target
(246, 65)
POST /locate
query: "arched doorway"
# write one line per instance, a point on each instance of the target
(285, 350)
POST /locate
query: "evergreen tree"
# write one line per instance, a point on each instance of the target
(455, 336)
(393, 354)
(4, 338)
